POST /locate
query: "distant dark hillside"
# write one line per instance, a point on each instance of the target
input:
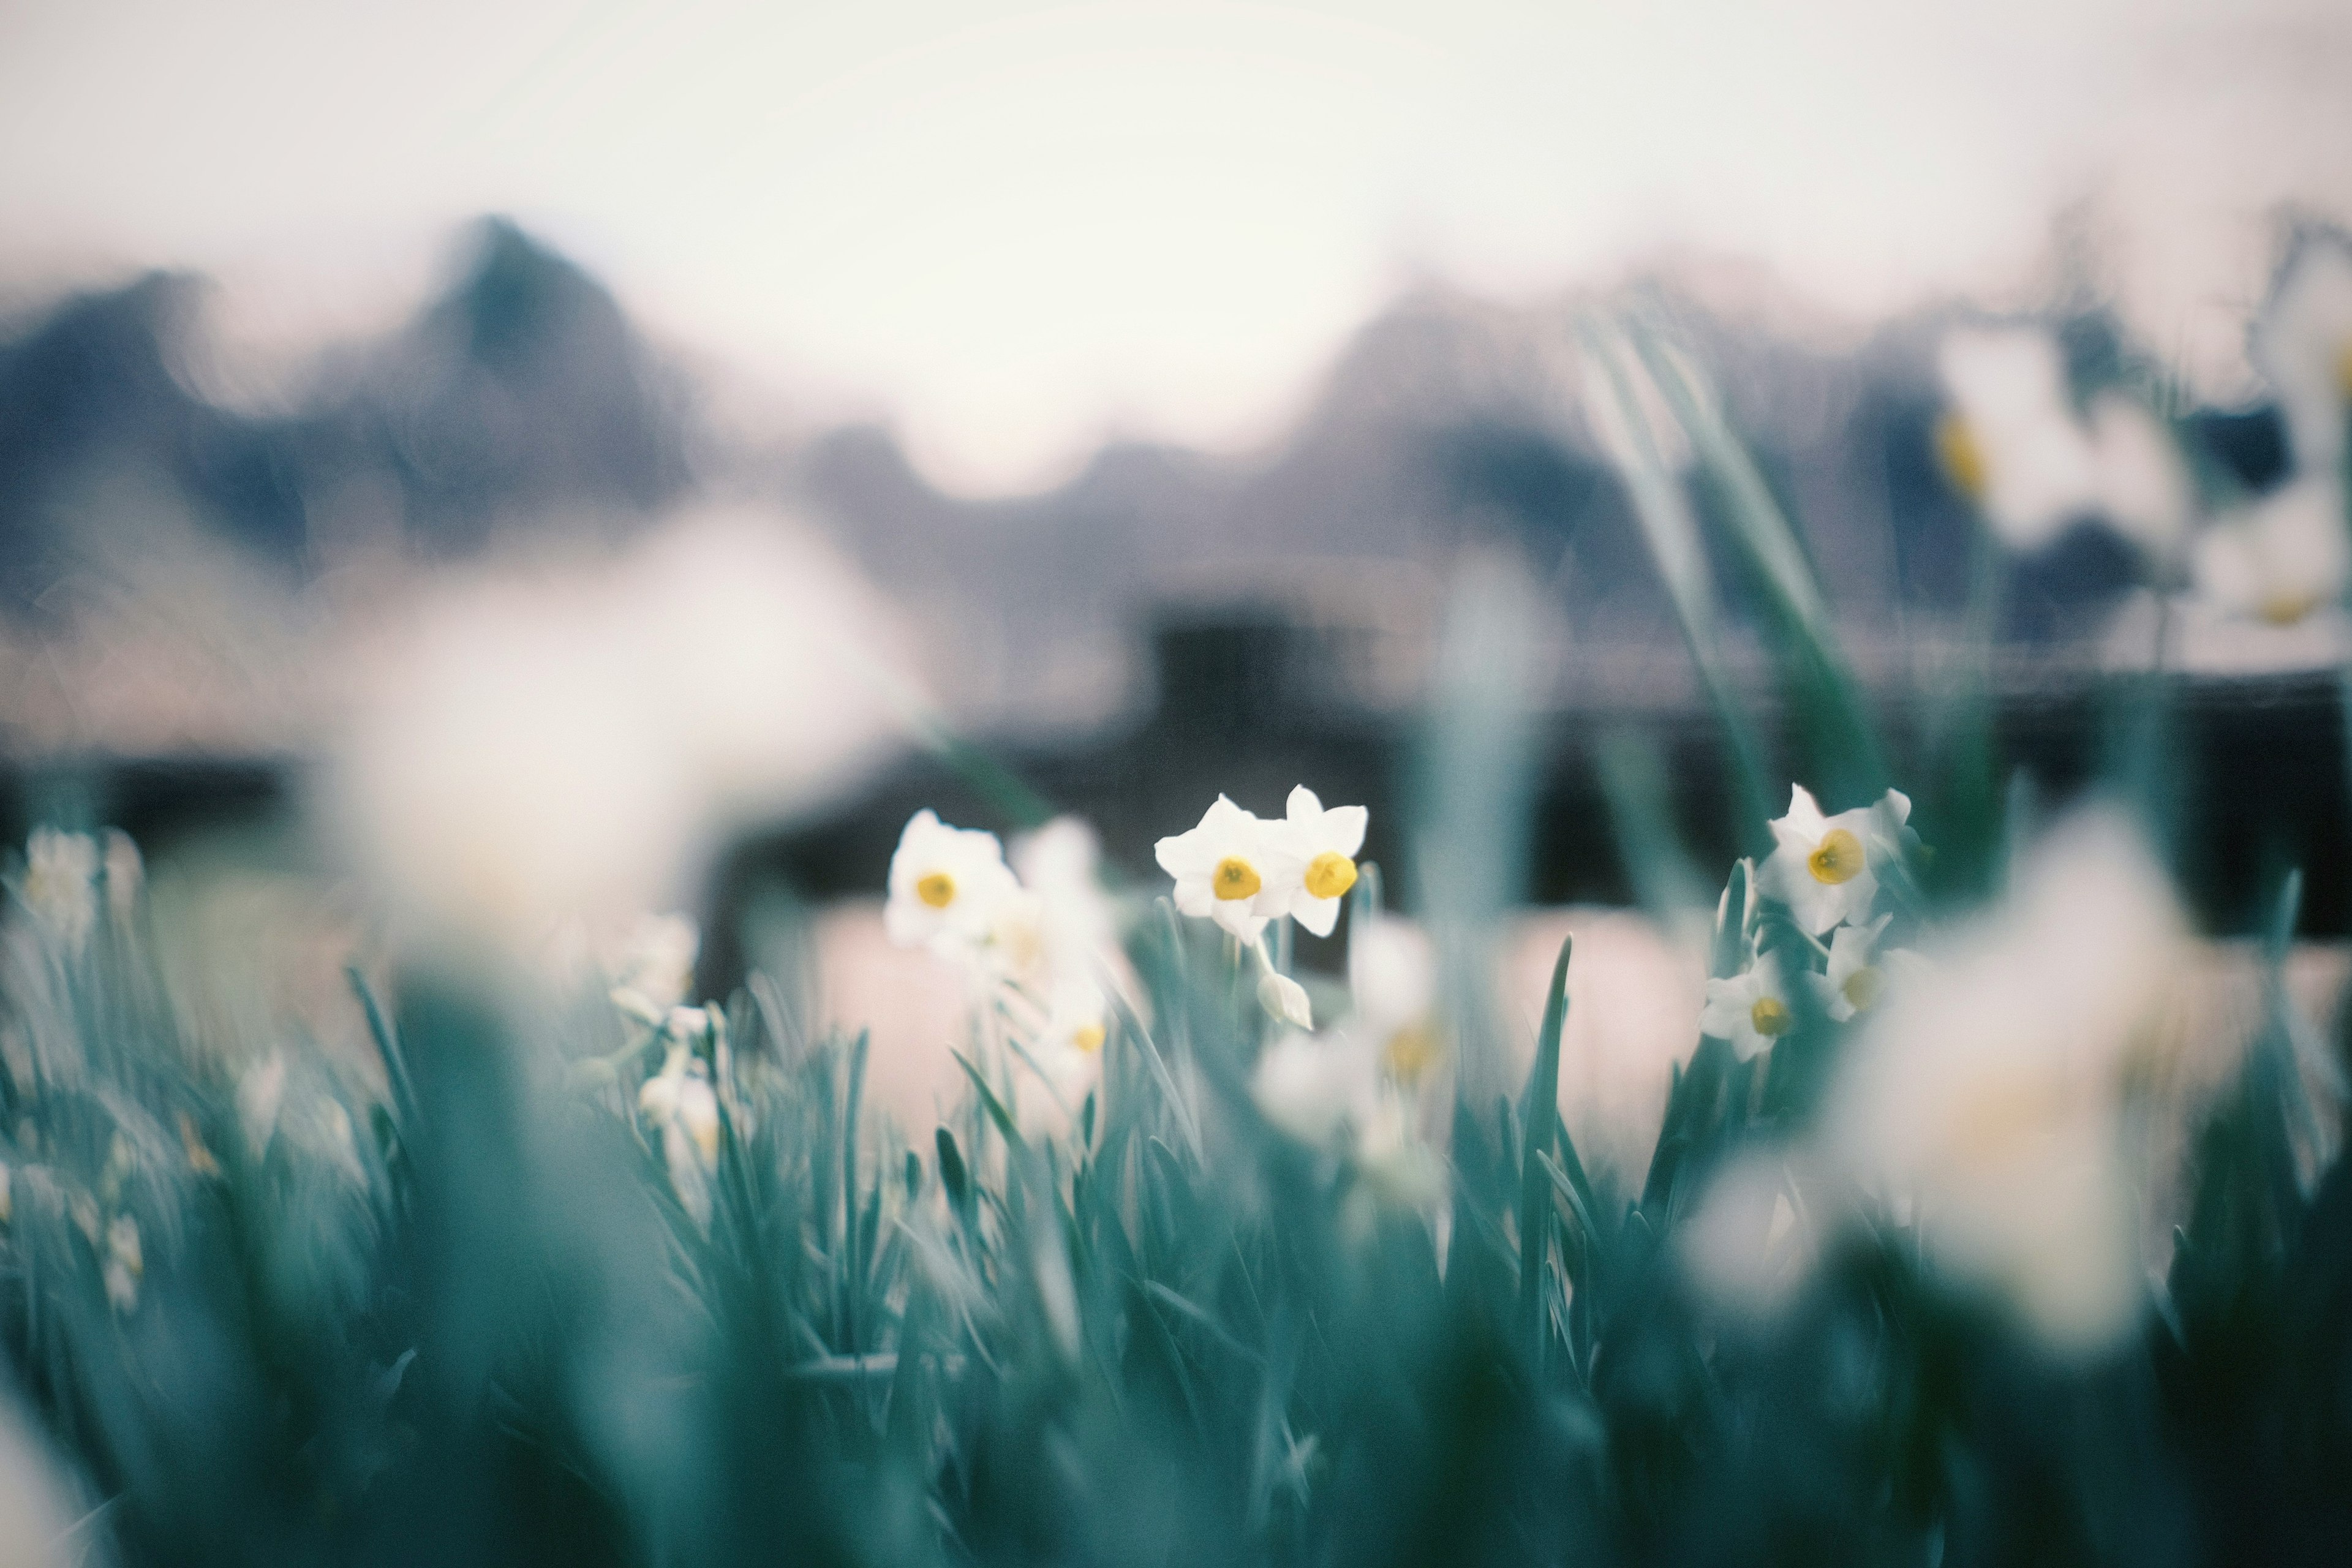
(522, 389)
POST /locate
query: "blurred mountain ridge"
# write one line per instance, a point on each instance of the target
(522, 400)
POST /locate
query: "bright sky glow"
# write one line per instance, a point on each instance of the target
(1014, 228)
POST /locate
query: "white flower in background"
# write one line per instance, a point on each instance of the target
(1066, 1054)
(125, 1264)
(1393, 975)
(1234, 868)
(1859, 974)
(1058, 931)
(1079, 1019)
(2282, 557)
(1316, 1088)
(1396, 1163)
(2303, 343)
(1283, 999)
(1825, 869)
(1324, 844)
(651, 969)
(2012, 442)
(60, 882)
(259, 1093)
(683, 1108)
(1987, 1090)
(948, 886)
(1745, 1246)
(2144, 485)
(1751, 1009)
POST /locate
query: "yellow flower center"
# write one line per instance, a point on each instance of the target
(2285, 609)
(1413, 1050)
(1330, 874)
(1963, 460)
(2344, 369)
(1863, 988)
(938, 889)
(1770, 1016)
(1234, 878)
(1087, 1037)
(1838, 857)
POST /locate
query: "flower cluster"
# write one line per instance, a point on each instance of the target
(2036, 453)
(1828, 872)
(1040, 940)
(1355, 1093)
(1243, 871)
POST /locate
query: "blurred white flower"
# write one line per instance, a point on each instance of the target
(2282, 558)
(530, 749)
(1393, 974)
(1076, 1020)
(1325, 843)
(1744, 1245)
(2012, 442)
(1234, 868)
(2144, 486)
(948, 886)
(1067, 1054)
(1986, 1088)
(1060, 927)
(1284, 1000)
(125, 1264)
(658, 1095)
(652, 968)
(259, 1094)
(697, 1116)
(683, 1108)
(1859, 974)
(7, 1194)
(1315, 1087)
(2303, 343)
(1750, 1010)
(1395, 1161)
(60, 882)
(1825, 869)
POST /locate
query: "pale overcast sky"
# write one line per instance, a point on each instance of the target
(1013, 227)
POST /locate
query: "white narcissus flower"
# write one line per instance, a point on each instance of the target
(2303, 343)
(1326, 844)
(1077, 1017)
(2012, 442)
(652, 968)
(2144, 486)
(1393, 974)
(1066, 1054)
(60, 881)
(1316, 1086)
(1397, 1165)
(1825, 869)
(2282, 557)
(948, 887)
(1750, 1010)
(1989, 1090)
(683, 1108)
(1234, 868)
(125, 1263)
(1859, 974)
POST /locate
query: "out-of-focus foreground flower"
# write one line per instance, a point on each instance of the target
(1988, 1089)
(537, 748)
